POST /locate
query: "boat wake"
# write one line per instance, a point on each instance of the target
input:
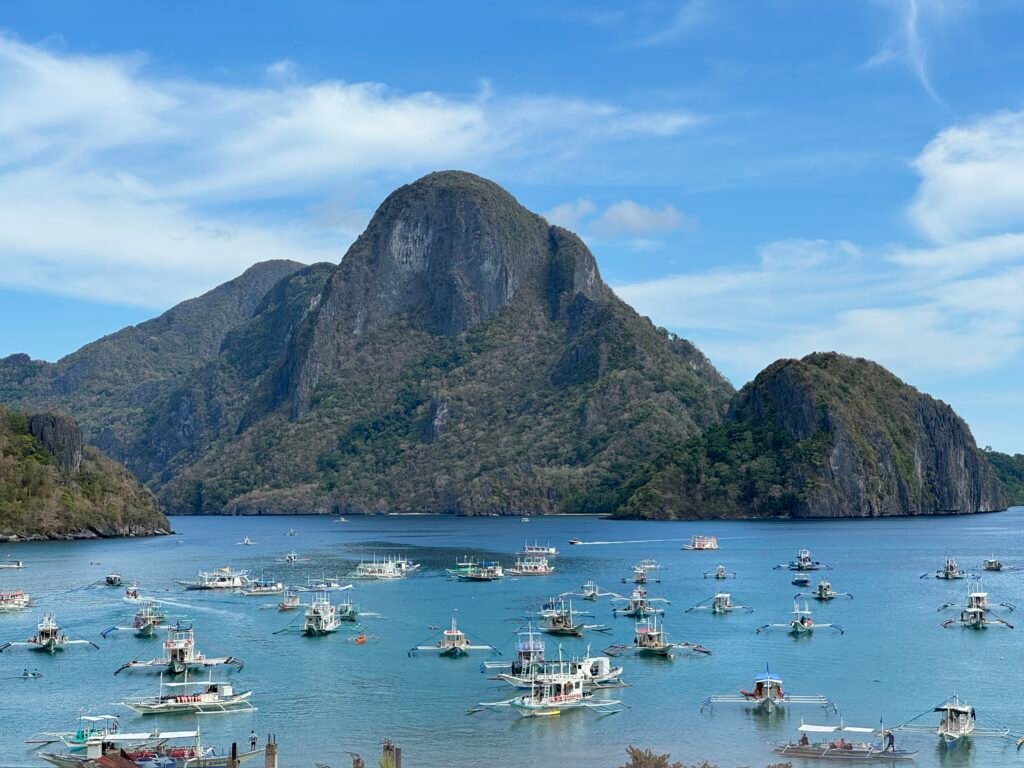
(628, 541)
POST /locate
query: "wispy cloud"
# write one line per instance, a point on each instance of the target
(639, 224)
(681, 21)
(120, 185)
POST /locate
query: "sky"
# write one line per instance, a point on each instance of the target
(767, 179)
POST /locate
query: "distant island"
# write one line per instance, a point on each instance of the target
(466, 357)
(54, 487)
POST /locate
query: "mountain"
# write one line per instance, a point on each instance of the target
(1009, 469)
(54, 486)
(825, 436)
(107, 384)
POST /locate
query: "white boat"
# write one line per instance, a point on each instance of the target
(147, 619)
(649, 639)
(292, 532)
(801, 624)
(535, 565)
(90, 727)
(486, 570)
(292, 557)
(589, 591)
(222, 578)
(976, 618)
(192, 697)
(768, 694)
(642, 572)
(524, 519)
(262, 588)
(594, 671)
(321, 617)
(325, 584)
(950, 571)
(185, 747)
(380, 570)
(535, 549)
(113, 580)
(803, 562)
(823, 592)
(720, 572)
(290, 602)
(528, 659)
(557, 617)
(15, 600)
(11, 565)
(849, 743)
(720, 603)
(49, 638)
(180, 654)
(700, 543)
(977, 601)
(246, 542)
(552, 694)
(638, 605)
(957, 721)
(453, 644)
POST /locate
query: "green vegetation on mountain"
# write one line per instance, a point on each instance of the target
(1010, 470)
(825, 436)
(51, 486)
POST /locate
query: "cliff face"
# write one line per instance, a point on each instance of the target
(51, 486)
(825, 436)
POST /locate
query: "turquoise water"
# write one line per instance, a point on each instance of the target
(326, 696)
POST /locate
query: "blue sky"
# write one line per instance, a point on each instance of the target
(765, 178)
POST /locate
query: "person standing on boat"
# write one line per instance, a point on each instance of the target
(890, 742)
(253, 741)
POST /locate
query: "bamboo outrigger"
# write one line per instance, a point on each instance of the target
(768, 694)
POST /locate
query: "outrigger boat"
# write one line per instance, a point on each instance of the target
(487, 570)
(325, 584)
(995, 564)
(594, 671)
(453, 644)
(801, 580)
(957, 721)
(589, 591)
(950, 570)
(290, 601)
(823, 591)
(222, 578)
(263, 588)
(649, 639)
(113, 580)
(801, 624)
(144, 624)
(380, 570)
(976, 618)
(90, 727)
(720, 572)
(321, 617)
(829, 742)
(700, 543)
(721, 603)
(977, 599)
(291, 558)
(535, 549)
(347, 611)
(641, 572)
(768, 695)
(193, 698)
(14, 601)
(557, 617)
(48, 638)
(180, 654)
(551, 694)
(144, 748)
(803, 562)
(531, 566)
(529, 655)
(246, 542)
(638, 605)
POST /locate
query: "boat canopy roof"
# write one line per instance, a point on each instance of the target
(807, 728)
(950, 706)
(767, 677)
(119, 738)
(97, 718)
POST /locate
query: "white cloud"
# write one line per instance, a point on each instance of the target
(972, 179)
(628, 218)
(119, 185)
(807, 253)
(571, 215)
(685, 17)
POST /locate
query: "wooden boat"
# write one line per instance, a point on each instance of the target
(453, 644)
(192, 697)
(552, 694)
(829, 742)
(325, 584)
(90, 727)
(531, 566)
(380, 570)
(14, 600)
(537, 550)
(290, 601)
(589, 591)
(801, 624)
(720, 572)
(720, 603)
(180, 654)
(144, 747)
(768, 694)
(974, 614)
(48, 638)
(950, 570)
(263, 588)
(823, 591)
(976, 618)
(992, 564)
(650, 639)
(638, 605)
(528, 659)
(147, 619)
(487, 570)
(701, 543)
(594, 671)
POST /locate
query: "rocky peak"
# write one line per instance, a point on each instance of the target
(61, 436)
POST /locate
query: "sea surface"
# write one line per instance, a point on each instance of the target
(326, 697)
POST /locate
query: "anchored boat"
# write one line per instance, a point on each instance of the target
(145, 622)
(48, 638)
(638, 605)
(650, 639)
(534, 565)
(803, 562)
(801, 624)
(193, 698)
(700, 543)
(823, 591)
(720, 572)
(719, 603)
(453, 644)
(768, 694)
(15, 600)
(487, 570)
(180, 654)
(321, 617)
(957, 721)
(535, 550)
(844, 742)
(552, 694)
(222, 578)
